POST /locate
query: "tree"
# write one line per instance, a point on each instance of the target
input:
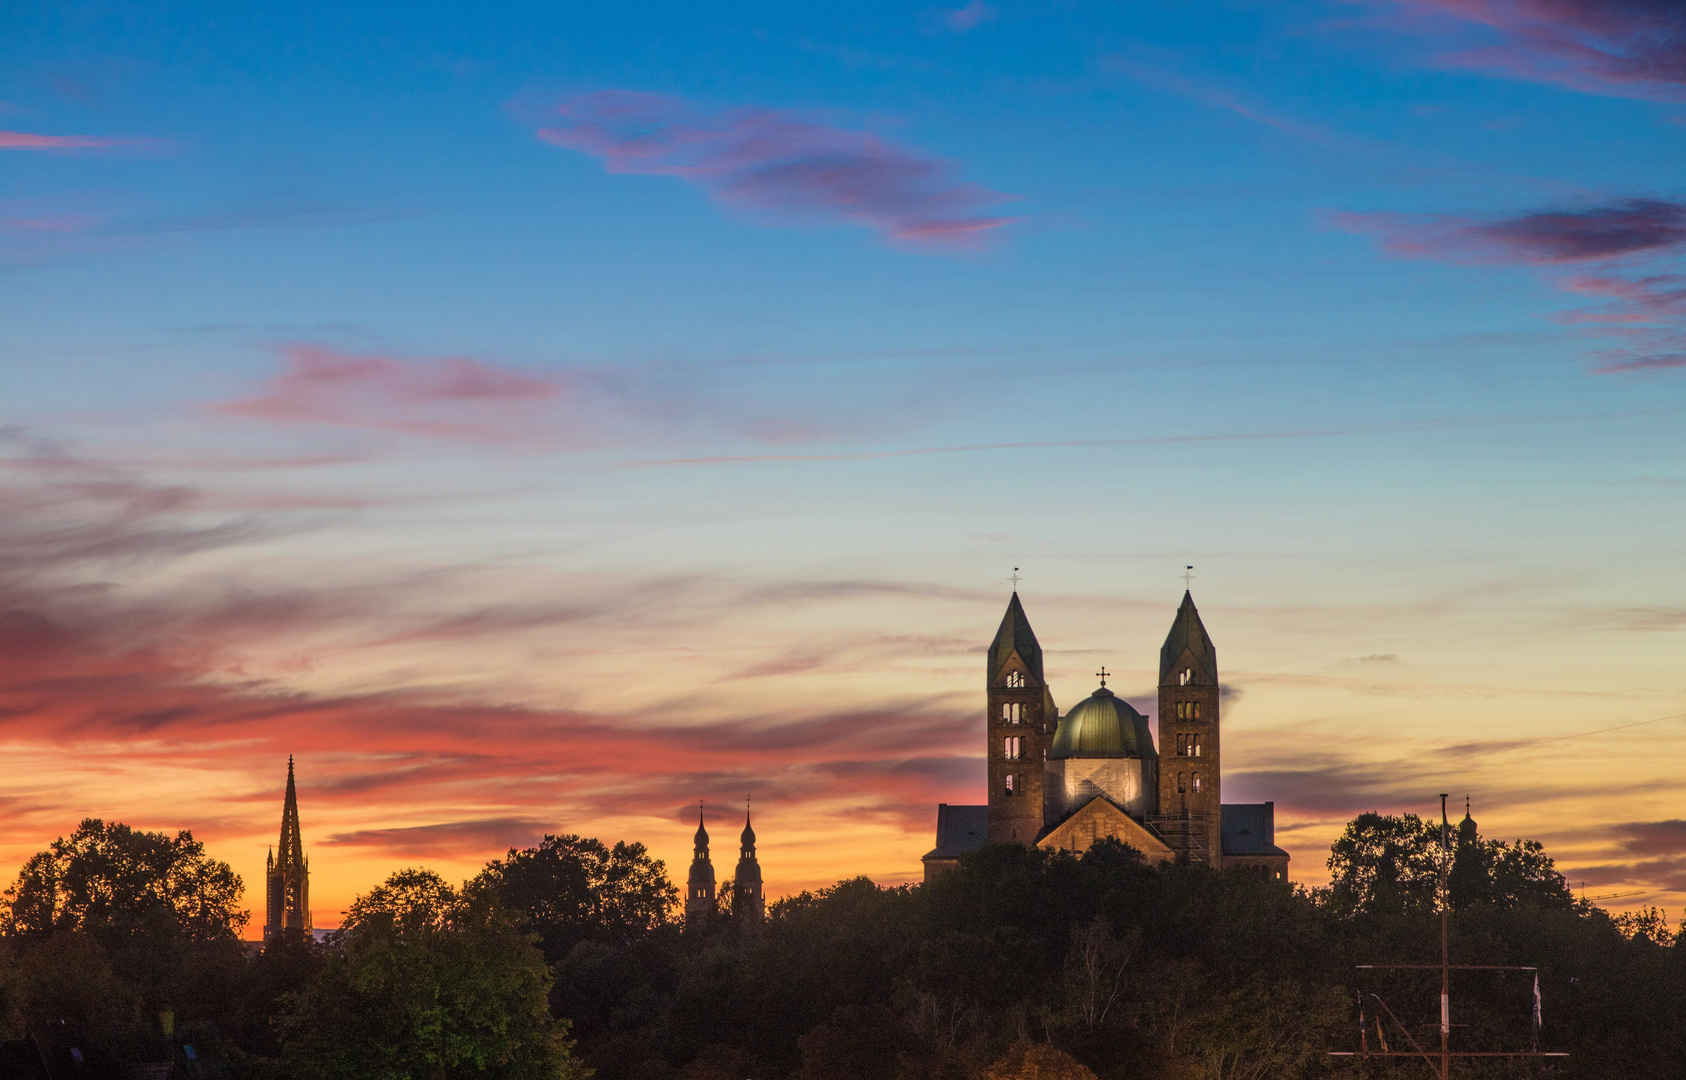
(570, 889)
(114, 882)
(1037, 1061)
(424, 982)
(1383, 863)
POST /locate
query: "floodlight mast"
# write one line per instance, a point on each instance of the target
(1442, 1068)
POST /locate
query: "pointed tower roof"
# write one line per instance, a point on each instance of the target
(700, 841)
(292, 844)
(1015, 636)
(747, 837)
(1188, 642)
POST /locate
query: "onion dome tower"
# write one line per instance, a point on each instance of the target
(746, 881)
(699, 887)
(288, 878)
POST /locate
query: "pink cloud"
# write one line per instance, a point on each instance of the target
(779, 163)
(1646, 311)
(1632, 48)
(23, 140)
(455, 396)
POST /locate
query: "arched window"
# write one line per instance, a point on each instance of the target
(1182, 680)
(1197, 781)
(1012, 712)
(1009, 790)
(1182, 782)
(1012, 747)
(1194, 710)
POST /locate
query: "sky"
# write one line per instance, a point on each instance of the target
(542, 418)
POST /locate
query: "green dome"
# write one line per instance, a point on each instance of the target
(1102, 725)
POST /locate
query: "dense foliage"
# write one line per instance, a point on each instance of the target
(1020, 964)
(422, 982)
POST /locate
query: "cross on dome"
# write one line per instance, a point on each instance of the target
(1101, 674)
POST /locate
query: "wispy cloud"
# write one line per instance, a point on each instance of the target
(473, 838)
(1640, 305)
(970, 17)
(783, 165)
(23, 140)
(1630, 48)
(1162, 74)
(455, 396)
(1588, 234)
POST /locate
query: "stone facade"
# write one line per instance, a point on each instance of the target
(1064, 782)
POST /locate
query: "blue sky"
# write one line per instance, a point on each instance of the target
(658, 366)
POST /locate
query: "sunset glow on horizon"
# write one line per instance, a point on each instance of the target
(546, 425)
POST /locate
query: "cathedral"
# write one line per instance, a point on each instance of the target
(288, 878)
(1063, 782)
(746, 879)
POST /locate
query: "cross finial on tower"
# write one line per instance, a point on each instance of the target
(1102, 674)
(1014, 578)
(1187, 576)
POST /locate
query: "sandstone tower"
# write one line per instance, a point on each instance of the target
(1020, 722)
(1189, 818)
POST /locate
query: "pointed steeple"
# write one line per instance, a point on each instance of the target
(746, 880)
(288, 872)
(292, 844)
(699, 886)
(1188, 647)
(1015, 636)
(699, 842)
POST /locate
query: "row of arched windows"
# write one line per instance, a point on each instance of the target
(1188, 745)
(1185, 779)
(1012, 747)
(1188, 710)
(1012, 712)
(1014, 785)
(1014, 678)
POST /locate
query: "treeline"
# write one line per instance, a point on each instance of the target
(569, 959)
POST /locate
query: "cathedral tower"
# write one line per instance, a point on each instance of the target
(746, 881)
(1190, 815)
(1020, 722)
(288, 877)
(699, 887)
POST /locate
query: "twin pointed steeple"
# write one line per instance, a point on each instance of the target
(1188, 649)
(1015, 636)
(699, 886)
(746, 881)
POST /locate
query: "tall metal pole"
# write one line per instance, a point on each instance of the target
(1445, 955)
